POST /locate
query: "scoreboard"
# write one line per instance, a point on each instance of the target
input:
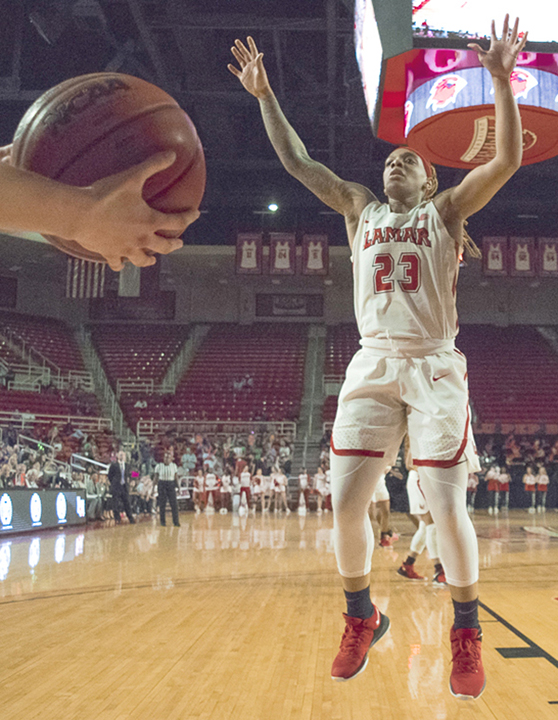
(423, 87)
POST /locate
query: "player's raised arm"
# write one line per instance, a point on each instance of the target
(346, 198)
(110, 217)
(482, 183)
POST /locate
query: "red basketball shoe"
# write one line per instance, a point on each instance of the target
(409, 572)
(439, 578)
(358, 638)
(467, 680)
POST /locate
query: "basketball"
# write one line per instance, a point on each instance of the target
(96, 125)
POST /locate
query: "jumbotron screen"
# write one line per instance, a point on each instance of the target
(472, 18)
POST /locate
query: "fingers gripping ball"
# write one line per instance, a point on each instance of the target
(97, 125)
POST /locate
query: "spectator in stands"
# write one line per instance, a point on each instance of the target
(542, 488)
(189, 460)
(4, 476)
(145, 489)
(34, 475)
(285, 457)
(529, 482)
(165, 477)
(93, 498)
(119, 477)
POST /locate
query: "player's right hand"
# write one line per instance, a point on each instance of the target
(252, 72)
(120, 225)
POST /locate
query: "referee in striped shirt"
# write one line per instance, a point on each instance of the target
(165, 477)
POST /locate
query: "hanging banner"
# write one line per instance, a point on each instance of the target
(84, 279)
(249, 253)
(522, 256)
(547, 257)
(315, 255)
(495, 256)
(282, 253)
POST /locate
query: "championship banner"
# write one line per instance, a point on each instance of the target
(522, 256)
(84, 279)
(249, 253)
(495, 256)
(547, 257)
(315, 255)
(282, 253)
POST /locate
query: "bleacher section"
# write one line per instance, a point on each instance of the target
(51, 338)
(513, 374)
(46, 374)
(269, 357)
(137, 352)
(342, 342)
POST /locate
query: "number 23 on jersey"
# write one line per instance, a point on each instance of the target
(389, 274)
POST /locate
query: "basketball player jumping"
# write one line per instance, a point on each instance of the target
(110, 217)
(408, 376)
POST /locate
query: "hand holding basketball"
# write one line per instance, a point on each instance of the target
(121, 225)
(252, 72)
(501, 58)
(128, 155)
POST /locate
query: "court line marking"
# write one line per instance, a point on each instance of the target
(533, 650)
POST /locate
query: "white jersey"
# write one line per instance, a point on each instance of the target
(245, 479)
(405, 274)
(210, 481)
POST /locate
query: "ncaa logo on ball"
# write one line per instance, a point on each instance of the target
(65, 112)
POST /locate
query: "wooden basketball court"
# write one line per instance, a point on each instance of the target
(240, 618)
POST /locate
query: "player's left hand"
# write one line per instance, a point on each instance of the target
(501, 58)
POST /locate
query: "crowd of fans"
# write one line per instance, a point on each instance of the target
(254, 471)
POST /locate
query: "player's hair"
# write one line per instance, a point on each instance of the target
(469, 245)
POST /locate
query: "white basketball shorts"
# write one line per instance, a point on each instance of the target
(384, 396)
(381, 492)
(417, 501)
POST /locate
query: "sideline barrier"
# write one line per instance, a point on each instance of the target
(22, 510)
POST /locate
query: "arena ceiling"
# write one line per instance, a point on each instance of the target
(184, 46)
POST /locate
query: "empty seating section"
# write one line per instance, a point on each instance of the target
(7, 354)
(342, 342)
(51, 338)
(44, 403)
(513, 374)
(266, 360)
(137, 352)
